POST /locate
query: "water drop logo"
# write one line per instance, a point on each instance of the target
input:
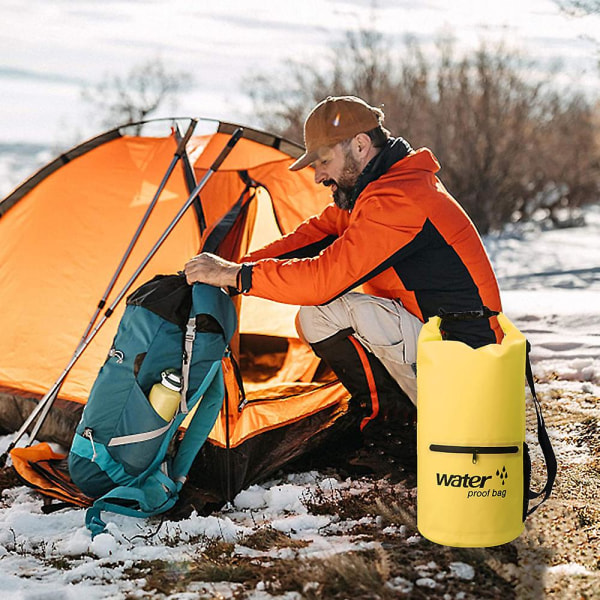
(502, 474)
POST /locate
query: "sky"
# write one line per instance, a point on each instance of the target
(556, 310)
(55, 48)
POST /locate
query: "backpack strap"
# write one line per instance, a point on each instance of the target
(210, 396)
(190, 336)
(157, 494)
(544, 441)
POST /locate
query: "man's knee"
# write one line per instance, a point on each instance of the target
(303, 322)
(316, 323)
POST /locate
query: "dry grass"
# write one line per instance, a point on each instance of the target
(266, 538)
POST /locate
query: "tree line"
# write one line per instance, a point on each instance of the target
(510, 140)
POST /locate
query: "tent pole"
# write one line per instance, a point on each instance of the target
(46, 402)
(179, 153)
(176, 157)
(227, 450)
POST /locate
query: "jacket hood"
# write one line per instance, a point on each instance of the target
(422, 159)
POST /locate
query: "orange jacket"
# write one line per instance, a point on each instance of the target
(405, 238)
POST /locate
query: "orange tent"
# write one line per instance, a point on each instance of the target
(64, 231)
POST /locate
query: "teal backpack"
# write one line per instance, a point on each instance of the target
(124, 454)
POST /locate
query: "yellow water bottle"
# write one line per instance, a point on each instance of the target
(165, 395)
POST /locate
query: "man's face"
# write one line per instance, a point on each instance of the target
(337, 168)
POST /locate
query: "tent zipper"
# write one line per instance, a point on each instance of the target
(246, 402)
(474, 450)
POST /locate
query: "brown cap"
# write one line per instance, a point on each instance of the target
(333, 120)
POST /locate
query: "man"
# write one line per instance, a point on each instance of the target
(393, 230)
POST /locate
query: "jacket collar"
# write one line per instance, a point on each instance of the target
(394, 150)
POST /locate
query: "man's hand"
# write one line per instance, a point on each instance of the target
(211, 269)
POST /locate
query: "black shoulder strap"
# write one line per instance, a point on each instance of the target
(544, 441)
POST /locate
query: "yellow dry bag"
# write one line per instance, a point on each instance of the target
(472, 461)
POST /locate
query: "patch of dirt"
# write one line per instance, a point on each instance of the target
(561, 540)
(8, 478)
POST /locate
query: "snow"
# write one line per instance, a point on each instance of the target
(426, 582)
(401, 585)
(462, 570)
(550, 282)
(568, 569)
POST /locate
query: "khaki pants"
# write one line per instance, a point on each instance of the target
(382, 326)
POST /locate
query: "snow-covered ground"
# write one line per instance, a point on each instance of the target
(550, 282)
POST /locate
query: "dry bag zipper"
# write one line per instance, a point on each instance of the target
(474, 450)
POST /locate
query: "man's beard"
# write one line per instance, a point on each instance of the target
(342, 196)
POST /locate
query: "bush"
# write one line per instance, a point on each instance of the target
(509, 143)
(136, 96)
